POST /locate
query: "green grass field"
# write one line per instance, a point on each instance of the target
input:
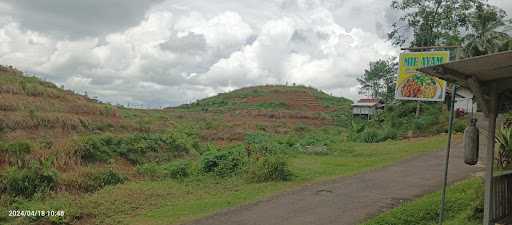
(172, 202)
(464, 206)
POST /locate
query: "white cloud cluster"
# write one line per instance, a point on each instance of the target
(184, 50)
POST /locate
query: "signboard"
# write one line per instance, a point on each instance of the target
(414, 85)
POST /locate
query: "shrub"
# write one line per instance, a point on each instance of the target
(261, 144)
(137, 148)
(504, 145)
(268, 169)
(257, 138)
(459, 126)
(108, 177)
(222, 163)
(96, 148)
(389, 134)
(150, 170)
(17, 151)
(370, 136)
(28, 182)
(178, 170)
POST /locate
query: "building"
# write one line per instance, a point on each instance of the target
(366, 107)
(464, 100)
(489, 77)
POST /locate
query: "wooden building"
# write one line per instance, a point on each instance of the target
(490, 80)
(366, 107)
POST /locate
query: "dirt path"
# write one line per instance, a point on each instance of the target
(349, 200)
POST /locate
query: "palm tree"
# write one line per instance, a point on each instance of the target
(487, 32)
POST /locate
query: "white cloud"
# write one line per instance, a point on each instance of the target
(184, 50)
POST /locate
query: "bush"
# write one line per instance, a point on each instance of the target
(105, 178)
(16, 153)
(150, 170)
(459, 126)
(268, 169)
(97, 148)
(28, 182)
(222, 163)
(178, 170)
(370, 136)
(504, 146)
(261, 144)
(137, 148)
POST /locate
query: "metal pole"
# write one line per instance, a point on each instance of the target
(447, 159)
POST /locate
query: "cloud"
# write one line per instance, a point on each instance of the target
(77, 18)
(504, 4)
(179, 51)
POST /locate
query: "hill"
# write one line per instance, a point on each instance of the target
(270, 108)
(59, 150)
(30, 107)
(272, 97)
(52, 119)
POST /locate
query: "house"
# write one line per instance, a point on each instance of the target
(464, 101)
(366, 107)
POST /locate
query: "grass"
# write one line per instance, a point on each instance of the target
(173, 202)
(351, 158)
(463, 201)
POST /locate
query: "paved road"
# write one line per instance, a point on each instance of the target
(349, 200)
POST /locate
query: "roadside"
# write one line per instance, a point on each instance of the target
(350, 200)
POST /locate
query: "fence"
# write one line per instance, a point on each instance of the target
(502, 195)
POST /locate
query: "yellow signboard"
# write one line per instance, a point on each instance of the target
(413, 85)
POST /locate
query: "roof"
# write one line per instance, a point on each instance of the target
(366, 104)
(482, 75)
(483, 68)
(368, 100)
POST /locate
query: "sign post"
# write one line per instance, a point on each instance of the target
(413, 85)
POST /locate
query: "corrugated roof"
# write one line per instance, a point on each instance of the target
(484, 68)
(481, 74)
(365, 104)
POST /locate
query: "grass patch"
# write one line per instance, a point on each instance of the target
(464, 201)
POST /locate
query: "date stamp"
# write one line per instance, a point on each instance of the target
(36, 213)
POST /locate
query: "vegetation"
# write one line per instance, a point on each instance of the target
(476, 25)
(464, 206)
(399, 120)
(379, 80)
(488, 26)
(504, 147)
(171, 200)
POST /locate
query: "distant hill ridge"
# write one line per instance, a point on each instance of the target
(271, 97)
(31, 107)
(29, 103)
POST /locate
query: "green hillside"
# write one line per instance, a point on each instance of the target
(64, 151)
(272, 97)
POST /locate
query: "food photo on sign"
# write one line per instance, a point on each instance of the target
(413, 85)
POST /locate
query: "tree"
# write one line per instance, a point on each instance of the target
(431, 22)
(378, 81)
(487, 32)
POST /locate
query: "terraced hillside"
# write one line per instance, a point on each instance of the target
(271, 108)
(55, 122)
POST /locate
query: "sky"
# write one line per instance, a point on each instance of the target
(157, 53)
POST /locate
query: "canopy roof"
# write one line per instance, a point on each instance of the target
(482, 75)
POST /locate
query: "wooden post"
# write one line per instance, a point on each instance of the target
(489, 168)
(418, 109)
